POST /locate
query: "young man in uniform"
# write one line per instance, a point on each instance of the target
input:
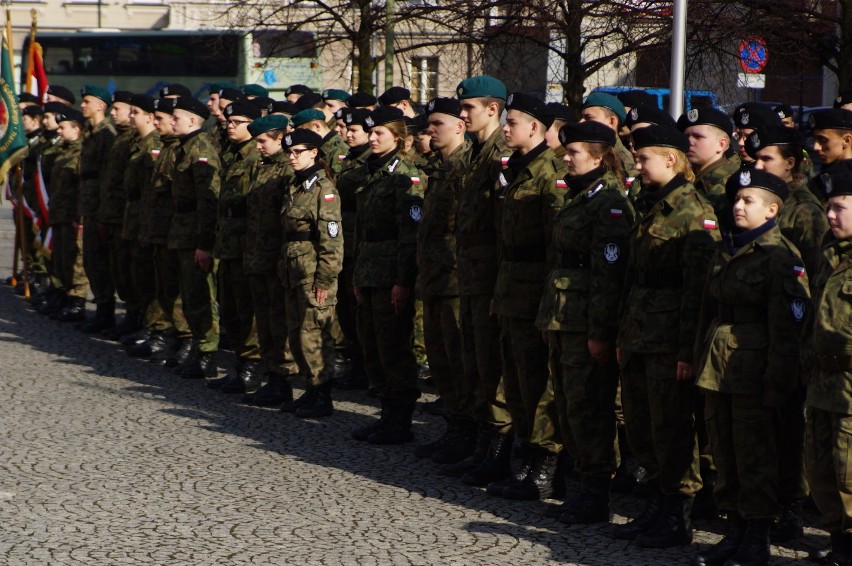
(832, 142)
(333, 99)
(608, 110)
(332, 145)
(398, 97)
(709, 132)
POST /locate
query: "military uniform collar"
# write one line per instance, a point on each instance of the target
(190, 136)
(243, 149)
(97, 127)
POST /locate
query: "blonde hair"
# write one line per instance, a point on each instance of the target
(681, 165)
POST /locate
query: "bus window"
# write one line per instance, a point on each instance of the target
(59, 60)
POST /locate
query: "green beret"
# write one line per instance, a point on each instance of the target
(254, 90)
(306, 116)
(481, 86)
(97, 92)
(335, 94)
(607, 101)
(267, 123)
(214, 88)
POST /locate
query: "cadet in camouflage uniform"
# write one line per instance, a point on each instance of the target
(531, 193)
(218, 131)
(100, 135)
(333, 101)
(829, 402)
(788, 120)
(111, 211)
(225, 147)
(333, 148)
(390, 205)
(260, 259)
(608, 110)
(670, 249)
(437, 283)
(747, 352)
(832, 131)
(235, 304)
(579, 311)
(311, 260)
(195, 192)
(561, 115)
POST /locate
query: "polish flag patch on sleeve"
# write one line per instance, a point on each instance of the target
(415, 181)
(799, 270)
(561, 184)
(504, 161)
(203, 160)
(341, 157)
(629, 181)
(155, 152)
(616, 212)
(329, 197)
(709, 224)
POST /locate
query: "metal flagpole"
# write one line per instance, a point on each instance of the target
(678, 58)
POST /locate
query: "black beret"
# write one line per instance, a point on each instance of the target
(757, 178)
(362, 100)
(298, 89)
(754, 114)
(562, 112)
(357, 117)
(28, 97)
(282, 107)
(834, 184)
(55, 107)
(588, 132)
(70, 114)
(342, 113)
(242, 108)
(531, 105)
(383, 115)
(60, 91)
(165, 105)
(845, 97)
(642, 113)
(634, 98)
(660, 135)
(833, 119)
(394, 95)
(175, 89)
(449, 106)
(308, 100)
(144, 102)
(33, 110)
(190, 104)
(232, 94)
(122, 96)
(417, 124)
(262, 102)
(764, 136)
(785, 111)
(706, 117)
(302, 136)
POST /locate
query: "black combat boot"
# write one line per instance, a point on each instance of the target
(246, 379)
(790, 526)
(363, 433)
(541, 481)
(483, 440)
(320, 405)
(181, 355)
(516, 476)
(52, 301)
(717, 554)
(704, 506)
(164, 348)
(155, 342)
(131, 323)
(673, 526)
(589, 506)
(201, 365)
(428, 449)
(74, 312)
(275, 391)
(625, 475)
(461, 444)
(645, 519)
(398, 428)
(496, 465)
(305, 398)
(754, 549)
(104, 318)
(137, 337)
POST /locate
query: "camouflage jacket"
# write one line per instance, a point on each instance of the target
(236, 181)
(113, 192)
(312, 247)
(50, 151)
(65, 184)
(670, 250)
(333, 149)
(625, 157)
(270, 179)
(93, 166)
(711, 184)
(830, 383)
(476, 223)
(390, 204)
(529, 200)
(155, 219)
(351, 177)
(195, 193)
(29, 168)
(138, 181)
(803, 221)
(752, 316)
(437, 271)
(590, 236)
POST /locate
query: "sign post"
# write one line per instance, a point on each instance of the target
(753, 58)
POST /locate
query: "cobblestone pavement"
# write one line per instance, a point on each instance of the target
(109, 460)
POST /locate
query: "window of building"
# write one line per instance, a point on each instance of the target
(424, 79)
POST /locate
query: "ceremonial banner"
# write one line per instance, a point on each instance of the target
(13, 141)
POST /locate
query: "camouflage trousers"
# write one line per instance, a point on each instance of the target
(270, 315)
(386, 343)
(480, 339)
(121, 262)
(198, 293)
(309, 330)
(660, 423)
(442, 335)
(790, 433)
(96, 262)
(742, 437)
(167, 283)
(143, 277)
(585, 400)
(236, 308)
(346, 308)
(528, 386)
(418, 341)
(68, 260)
(828, 445)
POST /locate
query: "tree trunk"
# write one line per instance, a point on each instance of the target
(844, 55)
(364, 48)
(573, 88)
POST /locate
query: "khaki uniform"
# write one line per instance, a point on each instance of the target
(531, 194)
(263, 240)
(580, 302)
(711, 184)
(829, 402)
(333, 148)
(753, 314)
(235, 304)
(195, 192)
(311, 258)
(390, 205)
(65, 220)
(670, 249)
(476, 243)
(93, 166)
(437, 284)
